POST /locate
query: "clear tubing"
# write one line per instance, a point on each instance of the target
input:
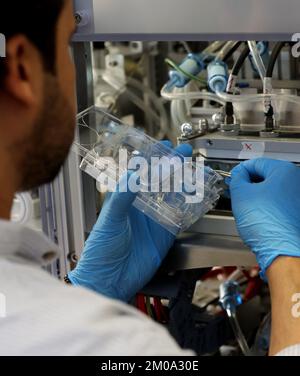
(175, 121)
(238, 332)
(158, 113)
(182, 111)
(164, 121)
(188, 102)
(163, 129)
(140, 104)
(179, 111)
(186, 46)
(173, 111)
(257, 98)
(257, 59)
(191, 95)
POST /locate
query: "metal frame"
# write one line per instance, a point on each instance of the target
(196, 251)
(54, 222)
(218, 146)
(67, 210)
(82, 53)
(187, 20)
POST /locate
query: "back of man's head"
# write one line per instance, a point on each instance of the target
(37, 20)
(37, 101)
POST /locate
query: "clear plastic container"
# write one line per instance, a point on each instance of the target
(103, 139)
(250, 108)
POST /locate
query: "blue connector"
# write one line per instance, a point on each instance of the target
(217, 76)
(192, 64)
(230, 297)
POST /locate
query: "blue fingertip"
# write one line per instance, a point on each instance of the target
(167, 143)
(185, 149)
(228, 181)
(227, 194)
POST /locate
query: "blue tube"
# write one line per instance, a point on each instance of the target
(217, 72)
(192, 64)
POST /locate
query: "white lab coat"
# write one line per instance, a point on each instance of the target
(46, 317)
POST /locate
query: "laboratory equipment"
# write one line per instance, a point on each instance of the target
(104, 141)
(217, 72)
(230, 299)
(223, 127)
(190, 67)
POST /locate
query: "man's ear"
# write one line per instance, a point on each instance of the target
(23, 78)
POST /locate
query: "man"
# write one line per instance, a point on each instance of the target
(89, 317)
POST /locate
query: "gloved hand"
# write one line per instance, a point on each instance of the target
(125, 248)
(268, 212)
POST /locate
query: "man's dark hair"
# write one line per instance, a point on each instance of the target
(37, 20)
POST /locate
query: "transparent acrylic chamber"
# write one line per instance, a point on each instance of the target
(250, 109)
(101, 140)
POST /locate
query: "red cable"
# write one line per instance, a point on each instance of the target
(141, 303)
(253, 288)
(163, 311)
(157, 310)
(211, 274)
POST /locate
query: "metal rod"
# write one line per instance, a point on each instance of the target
(238, 332)
(225, 174)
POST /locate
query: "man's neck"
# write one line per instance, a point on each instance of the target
(8, 186)
(5, 206)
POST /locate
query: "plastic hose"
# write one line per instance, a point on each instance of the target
(163, 117)
(229, 46)
(238, 332)
(253, 98)
(191, 95)
(257, 59)
(240, 61)
(231, 51)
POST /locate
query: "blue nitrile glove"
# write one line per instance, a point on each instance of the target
(267, 212)
(125, 248)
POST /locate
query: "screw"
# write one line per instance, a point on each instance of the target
(82, 17)
(203, 125)
(113, 63)
(78, 18)
(187, 129)
(73, 258)
(218, 118)
(135, 45)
